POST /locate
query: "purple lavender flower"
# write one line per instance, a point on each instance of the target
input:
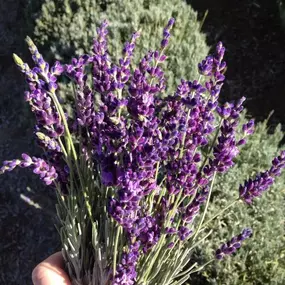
(46, 172)
(100, 43)
(186, 129)
(231, 246)
(166, 33)
(135, 177)
(123, 72)
(181, 175)
(101, 63)
(248, 128)
(56, 70)
(147, 231)
(31, 76)
(46, 115)
(48, 143)
(184, 233)
(206, 66)
(42, 81)
(10, 165)
(76, 70)
(141, 99)
(126, 270)
(227, 148)
(213, 65)
(85, 107)
(193, 209)
(42, 68)
(278, 163)
(255, 187)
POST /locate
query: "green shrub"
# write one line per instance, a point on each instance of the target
(262, 259)
(68, 26)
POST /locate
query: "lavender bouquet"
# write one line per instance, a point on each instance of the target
(134, 167)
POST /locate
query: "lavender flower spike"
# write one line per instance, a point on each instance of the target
(43, 66)
(231, 246)
(166, 33)
(255, 187)
(46, 172)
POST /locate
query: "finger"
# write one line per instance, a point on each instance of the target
(51, 272)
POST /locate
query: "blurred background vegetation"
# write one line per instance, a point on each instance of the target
(253, 33)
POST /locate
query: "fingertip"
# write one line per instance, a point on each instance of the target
(51, 271)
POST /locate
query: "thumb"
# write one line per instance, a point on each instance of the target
(51, 272)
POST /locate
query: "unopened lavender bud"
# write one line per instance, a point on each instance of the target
(18, 61)
(170, 231)
(184, 233)
(166, 33)
(170, 245)
(31, 45)
(170, 22)
(49, 143)
(241, 142)
(248, 128)
(164, 43)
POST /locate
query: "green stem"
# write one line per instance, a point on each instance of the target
(202, 266)
(115, 250)
(162, 239)
(184, 259)
(186, 271)
(162, 192)
(151, 196)
(186, 277)
(70, 144)
(203, 20)
(176, 204)
(119, 97)
(200, 240)
(157, 170)
(206, 206)
(62, 147)
(219, 213)
(69, 138)
(67, 132)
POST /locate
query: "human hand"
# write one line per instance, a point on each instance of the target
(51, 271)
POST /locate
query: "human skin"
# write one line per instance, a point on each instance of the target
(51, 271)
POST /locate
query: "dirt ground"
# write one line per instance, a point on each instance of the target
(255, 41)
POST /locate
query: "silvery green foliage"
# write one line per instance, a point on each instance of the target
(68, 26)
(262, 261)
